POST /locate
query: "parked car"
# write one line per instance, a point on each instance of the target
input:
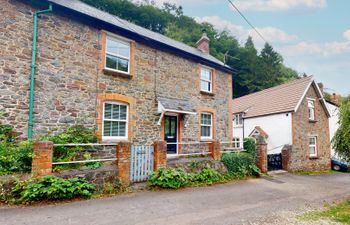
(340, 165)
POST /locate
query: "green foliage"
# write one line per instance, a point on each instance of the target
(54, 188)
(341, 140)
(74, 134)
(113, 187)
(169, 178)
(207, 175)
(240, 164)
(91, 165)
(15, 157)
(255, 71)
(250, 146)
(6, 133)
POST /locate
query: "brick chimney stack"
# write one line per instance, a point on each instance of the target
(203, 43)
(335, 99)
(320, 85)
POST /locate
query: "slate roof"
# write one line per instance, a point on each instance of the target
(279, 99)
(176, 104)
(82, 8)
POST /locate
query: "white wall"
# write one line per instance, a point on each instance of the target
(278, 127)
(333, 122)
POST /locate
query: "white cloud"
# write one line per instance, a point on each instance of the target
(318, 49)
(346, 35)
(278, 5)
(271, 34)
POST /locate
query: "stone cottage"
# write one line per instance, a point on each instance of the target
(292, 118)
(98, 70)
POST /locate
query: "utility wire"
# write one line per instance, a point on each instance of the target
(250, 24)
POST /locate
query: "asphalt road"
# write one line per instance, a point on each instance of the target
(234, 203)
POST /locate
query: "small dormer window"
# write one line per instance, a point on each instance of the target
(311, 106)
(238, 120)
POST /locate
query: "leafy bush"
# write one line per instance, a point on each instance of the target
(74, 134)
(249, 146)
(240, 164)
(207, 175)
(53, 188)
(15, 157)
(6, 133)
(169, 178)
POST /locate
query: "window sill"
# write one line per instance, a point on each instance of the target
(116, 73)
(312, 121)
(206, 140)
(207, 93)
(112, 140)
(313, 157)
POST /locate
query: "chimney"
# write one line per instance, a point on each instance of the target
(203, 43)
(320, 85)
(335, 99)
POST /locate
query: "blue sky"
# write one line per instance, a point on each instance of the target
(313, 36)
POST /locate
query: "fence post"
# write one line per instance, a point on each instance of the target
(160, 151)
(42, 158)
(261, 153)
(286, 151)
(123, 161)
(214, 149)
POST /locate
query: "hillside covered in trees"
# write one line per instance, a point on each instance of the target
(255, 70)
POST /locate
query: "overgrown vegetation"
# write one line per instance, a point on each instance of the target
(255, 71)
(341, 140)
(47, 188)
(74, 134)
(15, 157)
(240, 165)
(250, 146)
(338, 213)
(174, 178)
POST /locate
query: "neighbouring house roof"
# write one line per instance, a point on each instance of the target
(283, 98)
(166, 104)
(136, 32)
(258, 130)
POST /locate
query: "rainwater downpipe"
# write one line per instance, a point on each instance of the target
(33, 65)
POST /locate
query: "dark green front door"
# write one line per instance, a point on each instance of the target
(170, 132)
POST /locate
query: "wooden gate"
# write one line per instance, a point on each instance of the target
(142, 160)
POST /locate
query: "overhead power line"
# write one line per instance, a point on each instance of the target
(245, 18)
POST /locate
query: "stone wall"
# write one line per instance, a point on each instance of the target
(69, 80)
(303, 128)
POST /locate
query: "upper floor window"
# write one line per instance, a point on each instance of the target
(115, 120)
(238, 119)
(206, 125)
(311, 106)
(206, 80)
(313, 146)
(117, 55)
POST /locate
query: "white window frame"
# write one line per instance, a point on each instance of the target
(314, 146)
(238, 120)
(120, 40)
(236, 142)
(206, 80)
(206, 125)
(311, 109)
(126, 125)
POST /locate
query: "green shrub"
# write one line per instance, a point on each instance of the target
(240, 164)
(169, 178)
(208, 176)
(74, 134)
(15, 157)
(250, 146)
(54, 188)
(6, 133)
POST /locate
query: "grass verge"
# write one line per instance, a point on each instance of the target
(339, 213)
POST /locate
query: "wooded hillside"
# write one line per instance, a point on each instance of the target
(255, 70)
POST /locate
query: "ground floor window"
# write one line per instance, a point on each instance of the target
(115, 120)
(236, 142)
(206, 125)
(313, 146)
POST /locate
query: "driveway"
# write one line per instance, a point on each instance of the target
(244, 202)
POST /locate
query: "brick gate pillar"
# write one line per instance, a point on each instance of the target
(286, 151)
(160, 151)
(214, 149)
(42, 158)
(261, 154)
(123, 161)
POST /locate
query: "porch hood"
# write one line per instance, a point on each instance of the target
(174, 105)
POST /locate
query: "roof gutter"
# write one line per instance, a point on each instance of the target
(33, 66)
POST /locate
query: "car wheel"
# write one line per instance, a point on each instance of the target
(336, 167)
